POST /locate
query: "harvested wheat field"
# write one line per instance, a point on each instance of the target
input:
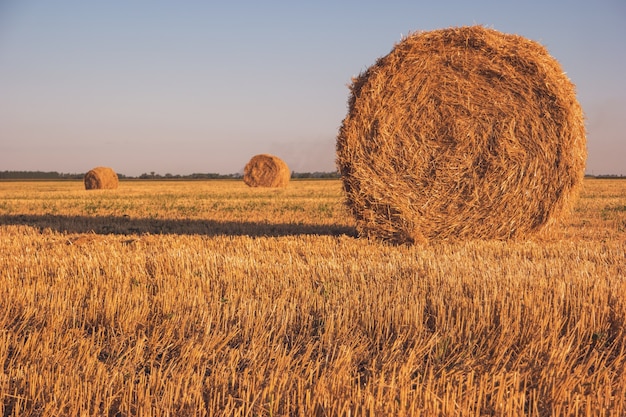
(212, 298)
(461, 133)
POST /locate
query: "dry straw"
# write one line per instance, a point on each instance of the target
(266, 171)
(461, 133)
(101, 178)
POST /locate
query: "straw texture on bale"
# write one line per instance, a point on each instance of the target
(101, 178)
(266, 171)
(461, 133)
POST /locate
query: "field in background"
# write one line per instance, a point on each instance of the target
(212, 298)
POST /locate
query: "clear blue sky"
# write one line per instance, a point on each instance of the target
(200, 86)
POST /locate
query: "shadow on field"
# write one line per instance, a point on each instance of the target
(127, 226)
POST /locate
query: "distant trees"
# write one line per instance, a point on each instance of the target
(37, 175)
(315, 174)
(194, 176)
(53, 175)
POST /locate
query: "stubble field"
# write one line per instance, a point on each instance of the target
(209, 298)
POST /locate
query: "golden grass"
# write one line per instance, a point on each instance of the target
(213, 298)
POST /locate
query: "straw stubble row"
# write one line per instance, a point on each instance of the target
(239, 325)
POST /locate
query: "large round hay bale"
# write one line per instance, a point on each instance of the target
(266, 171)
(461, 133)
(101, 178)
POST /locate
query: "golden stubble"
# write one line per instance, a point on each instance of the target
(275, 308)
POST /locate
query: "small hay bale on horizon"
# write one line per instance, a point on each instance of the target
(266, 170)
(101, 178)
(461, 133)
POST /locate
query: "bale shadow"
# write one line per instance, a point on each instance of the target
(124, 225)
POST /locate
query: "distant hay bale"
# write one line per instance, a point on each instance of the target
(101, 178)
(461, 133)
(266, 171)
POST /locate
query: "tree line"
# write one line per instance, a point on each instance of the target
(54, 175)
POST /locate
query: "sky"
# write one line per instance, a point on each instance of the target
(181, 87)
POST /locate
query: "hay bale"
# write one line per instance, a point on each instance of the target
(101, 178)
(461, 133)
(266, 171)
